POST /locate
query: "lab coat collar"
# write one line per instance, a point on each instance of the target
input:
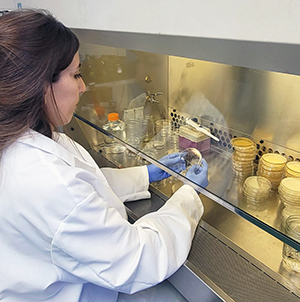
(53, 146)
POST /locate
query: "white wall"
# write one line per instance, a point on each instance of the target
(252, 20)
(7, 4)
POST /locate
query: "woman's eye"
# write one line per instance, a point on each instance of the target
(78, 76)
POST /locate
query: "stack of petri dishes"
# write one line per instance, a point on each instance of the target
(292, 169)
(289, 194)
(256, 189)
(148, 130)
(271, 166)
(163, 130)
(243, 156)
(291, 257)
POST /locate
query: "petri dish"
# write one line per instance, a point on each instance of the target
(274, 181)
(271, 178)
(257, 184)
(288, 174)
(270, 173)
(273, 159)
(244, 154)
(256, 189)
(243, 174)
(191, 156)
(241, 162)
(271, 168)
(287, 198)
(292, 169)
(291, 256)
(255, 197)
(162, 124)
(242, 159)
(242, 168)
(243, 144)
(290, 185)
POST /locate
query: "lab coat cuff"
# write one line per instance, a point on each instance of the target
(129, 183)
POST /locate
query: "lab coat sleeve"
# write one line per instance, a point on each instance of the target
(95, 244)
(129, 183)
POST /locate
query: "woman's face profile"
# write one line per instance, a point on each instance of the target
(66, 92)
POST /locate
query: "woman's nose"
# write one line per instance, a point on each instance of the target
(82, 87)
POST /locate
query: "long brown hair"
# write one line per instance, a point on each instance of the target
(34, 49)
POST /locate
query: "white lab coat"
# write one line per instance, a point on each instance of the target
(64, 231)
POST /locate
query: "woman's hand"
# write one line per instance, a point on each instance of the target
(172, 161)
(198, 174)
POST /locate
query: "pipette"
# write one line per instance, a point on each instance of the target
(201, 129)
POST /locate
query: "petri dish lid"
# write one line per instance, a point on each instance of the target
(290, 185)
(274, 159)
(257, 183)
(242, 143)
(293, 167)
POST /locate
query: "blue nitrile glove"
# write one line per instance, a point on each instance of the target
(172, 161)
(198, 174)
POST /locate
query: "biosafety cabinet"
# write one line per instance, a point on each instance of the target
(233, 70)
(237, 251)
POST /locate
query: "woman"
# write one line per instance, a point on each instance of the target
(64, 233)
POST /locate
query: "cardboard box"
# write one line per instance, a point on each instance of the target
(191, 138)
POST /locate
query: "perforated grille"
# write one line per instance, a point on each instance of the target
(226, 134)
(237, 276)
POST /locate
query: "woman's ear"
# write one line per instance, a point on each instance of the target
(47, 94)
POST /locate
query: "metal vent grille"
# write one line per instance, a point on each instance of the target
(226, 134)
(238, 277)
